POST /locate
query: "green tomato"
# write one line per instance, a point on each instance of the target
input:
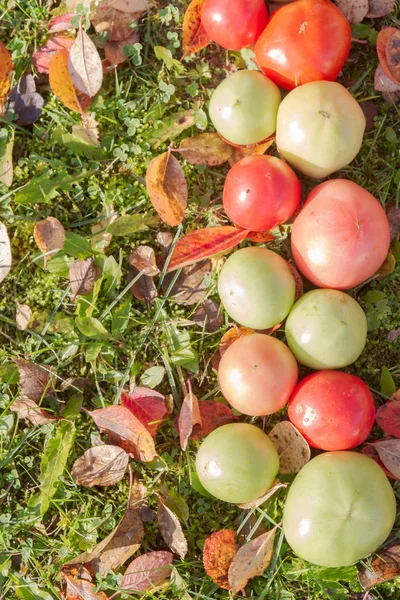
(320, 128)
(256, 287)
(339, 509)
(326, 329)
(237, 463)
(243, 108)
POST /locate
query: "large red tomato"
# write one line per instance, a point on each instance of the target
(308, 40)
(234, 24)
(260, 192)
(341, 236)
(333, 410)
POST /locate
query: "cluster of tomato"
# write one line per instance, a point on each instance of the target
(341, 506)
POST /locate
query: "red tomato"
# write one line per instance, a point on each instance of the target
(333, 410)
(308, 40)
(341, 236)
(260, 192)
(234, 24)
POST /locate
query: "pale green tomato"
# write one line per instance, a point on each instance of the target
(237, 463)
(244, 106)
(320, 128)
(340, 508)
(256, 287)
(326, 329)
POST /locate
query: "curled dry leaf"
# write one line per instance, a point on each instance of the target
(28, 409)
(125, 430)
(194, 36)
(23, 316)
(25, 101)
(5, 252)
(370, 451)
(83, 275)
(114, 51)
(380, 8)
(384, 567)
(388, 418)
(294, 452)
(146, 405)
(191, 285)
(239, 152)
(49, 236)
(389, 453)
(144, 259)
(275, 487)
(171, 529)
(34, 381)
(144, 288)
(6, 69)
(115, 22)
(84, 65)
(219, 550)
(167, 188)
(77, 589)
(148, 571)
(44, 55)
(101, 465)
(209, 315)
(393, 216)
(189, 416)
(353, 10)
(251, 560)
(206, 148)
(62, 86)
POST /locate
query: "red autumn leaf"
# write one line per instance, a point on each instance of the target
(381, 43)
(61, 22)
(42, 57)
(194, 36)
(213, 414)
(146, 405)
(219, 550)
(261, 237)
(370, 451)
(204, 243)
(388, 418)
(148, 571)
(189, 416)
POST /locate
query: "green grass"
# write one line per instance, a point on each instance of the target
(134, 101)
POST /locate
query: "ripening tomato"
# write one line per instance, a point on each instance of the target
(247, 374)
(308, 40)
(340, 508)
(234, 24)
(341, 236)
(333, 410)
(261, 192)
(237, 463)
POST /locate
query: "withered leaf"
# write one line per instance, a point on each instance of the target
(294, 452)
(101, 238)
(101, 465)
(148, 571)
(25, 101)
(194, 36)
(171, 529)
(254, 503)
(77, 589)
(392, 53)
(43, 56)
(144, 289)
(115, 22)
(386, 85)
(209, 315)
(34, 381)
(147, 405)
(383, 567)
(370, 451)
(23, 316)
(233, 334)
(125, 430)
(387, 267)
(114, 51)
(189, 416)
(206, 148)
(28, 409)
(380, 8)
(389, 453)
(5, 252)
(167, 188)
(191, 285)
(49, 236)
(353, 10)
(84, 65)
(239, 152)
(6, 69)
(388, 418)
(144, 259)
(219, 550)
(83, 275)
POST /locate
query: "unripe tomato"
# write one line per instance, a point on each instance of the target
(244, 106)
(261, 192)
(257, 374)
(340, 508)
(333, 410)
(237, 463)
(341, 236)
(256, 287)
(234, 24)
(308, 40)
(326, 329)
(320, 128)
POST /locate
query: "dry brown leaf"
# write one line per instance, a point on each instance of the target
(144, 259)
(189, 416)
(384, 567)
(115, 22)
(380, 8)
(114, 51)
(49, 236)
(84, 65)
(167, 188)
(28, 409)
(23, 316)
(251, 560)
(383, 83)
(254, 503)
(209, 315)
(239, 152)
(233, 334)
(393, 216)
(206, 148)
(5, 252)
(191, 285)
(6, 69)
(353, 10)
(294, 452)
(81, 589)
(171, 529)
(148, 571)
(144, 289)
(147, 405)
(389, 453)
(62, 86)
(83, 275)
(101, 465)
(34, 381)
(213, 414)
(194, 36)
(219, 550)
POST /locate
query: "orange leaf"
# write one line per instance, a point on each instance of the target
(240, 152)
(146, 405)
(204, 243)
(44, 55)
(382, 42)
(62, 86)
(232, 335)
(261, 237)
(194, 36)
(218, 553)
(167, 188)
(6, 69)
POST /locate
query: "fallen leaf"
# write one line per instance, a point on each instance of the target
(171, 529)
(382, 41)
(84, 65)
(386, 268)
(28, 409)
(77, 589)
(261, 237)
(23, 316)
(167, 188)
(34, 381)
(204, 243)
(49, 236)
(101, 465)
(393, 335)
(88, 132)
(298, 281)
(25, 101)
(146, 405)
(130, 6)
(209, 315)
(125, 430)
(392, 53)
(101, 238)
(294, 452)
(5, 252)
(380, 8)
(114, 51)
(61, 22)
(370, 111)
(233, 334)
(389, 453)
(194, 36)
(206, 148)
(62, 86)
(240, 152)
(6, 69)
(115, 22)
(213, 414)
(144, 259)
(164, 239)
(218, 553)
(264, 497)
(83, 275)
(174, 502)
(370, 451)
(388, 418)
(353, 10)
(189, 416)
(144, 289)
(6, 158)
(172, 126)
(384, 567)
(393, 216)
(385, 84)
(251, 560)
(148, 571)
(43, 56)
(191, 286)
